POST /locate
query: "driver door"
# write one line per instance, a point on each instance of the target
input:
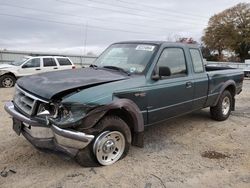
(171, 95)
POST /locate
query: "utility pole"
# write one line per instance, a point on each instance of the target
(85, 40)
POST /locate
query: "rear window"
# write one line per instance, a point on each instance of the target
(49, 62)
(63, 61)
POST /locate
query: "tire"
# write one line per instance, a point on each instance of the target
(7, 81)
(111, 127)
(223, 109)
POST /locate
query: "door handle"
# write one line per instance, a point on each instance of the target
(38, 69)
(188, 84)
(55, 68)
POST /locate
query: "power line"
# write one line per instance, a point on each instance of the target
(74, 24)
(162, 9)
(72, 15)
(124, 12)
(183, 15)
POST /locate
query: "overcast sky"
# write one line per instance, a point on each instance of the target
(67, 26)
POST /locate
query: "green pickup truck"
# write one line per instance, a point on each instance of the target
(94, 114)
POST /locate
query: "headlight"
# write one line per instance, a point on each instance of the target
(48, 110)
(69, 114)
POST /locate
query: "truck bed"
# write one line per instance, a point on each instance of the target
(218, 76)
(215, 68)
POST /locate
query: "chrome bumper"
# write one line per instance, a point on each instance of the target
(39, 135)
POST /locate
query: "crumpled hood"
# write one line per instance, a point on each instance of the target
(4, 66)
(47, 85)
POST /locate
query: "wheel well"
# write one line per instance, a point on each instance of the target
(10, 73)
(137, 137)
(231, 89)
(124, 115)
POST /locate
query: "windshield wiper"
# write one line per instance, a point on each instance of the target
(117, 68)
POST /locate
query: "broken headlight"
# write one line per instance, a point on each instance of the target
(48, 110)
(70, 114)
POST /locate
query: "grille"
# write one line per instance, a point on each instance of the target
(24, 101)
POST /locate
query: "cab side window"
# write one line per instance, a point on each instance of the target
(197, 60)
(49, 62)
(173, 59)
(32, 63)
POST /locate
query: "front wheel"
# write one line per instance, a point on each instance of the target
(111, 144)
(109, 147)
(222, 110)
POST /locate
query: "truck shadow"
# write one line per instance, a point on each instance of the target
(163, 135)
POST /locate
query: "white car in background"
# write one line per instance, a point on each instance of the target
(9, 73)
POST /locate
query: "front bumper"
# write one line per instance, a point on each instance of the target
(52, 137)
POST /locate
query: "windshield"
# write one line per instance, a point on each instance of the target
(132, 58)
(18, 63)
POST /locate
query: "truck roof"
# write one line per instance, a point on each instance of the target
(159, 43)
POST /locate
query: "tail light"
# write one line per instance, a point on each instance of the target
(73, 66)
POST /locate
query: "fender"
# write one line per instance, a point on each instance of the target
(126, 105)
(3, 72)
(225, 85)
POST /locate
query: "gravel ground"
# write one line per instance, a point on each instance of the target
(190, 151)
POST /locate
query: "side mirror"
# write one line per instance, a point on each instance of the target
(164, 71)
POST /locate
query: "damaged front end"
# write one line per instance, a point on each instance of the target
(48, 125)
(66, 126)
(48, 136)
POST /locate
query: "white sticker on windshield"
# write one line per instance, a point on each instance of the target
(145, 47)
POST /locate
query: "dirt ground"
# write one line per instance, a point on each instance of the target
(191, 151)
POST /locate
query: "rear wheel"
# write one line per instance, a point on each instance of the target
(7, 81)
(222, 110)
(111, 144)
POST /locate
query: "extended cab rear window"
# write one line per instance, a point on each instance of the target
(64, 61)
(197, 60)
